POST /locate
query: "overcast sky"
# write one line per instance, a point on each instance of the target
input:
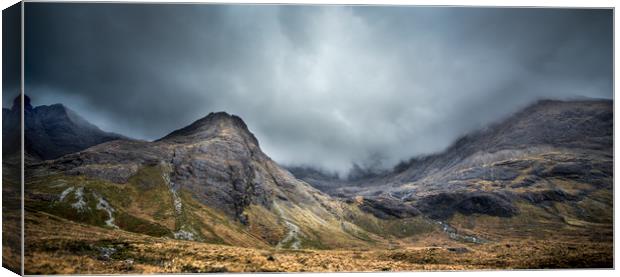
(318, 85)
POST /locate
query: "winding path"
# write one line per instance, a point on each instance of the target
(292, 237)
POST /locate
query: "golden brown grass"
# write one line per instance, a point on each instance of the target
(55, 245)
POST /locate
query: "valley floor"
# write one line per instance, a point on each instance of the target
(58, 246)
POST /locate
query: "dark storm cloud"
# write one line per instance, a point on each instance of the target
(319, 85)
(11, 53)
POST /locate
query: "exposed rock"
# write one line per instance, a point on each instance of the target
(443, 205)
(103, 205)
(64, 193)
(114, 161)
(184, 234)
(515, 164)
(492, 173)
(105, 253)
(526, 182)
(574, 169)
(557, 195)
(80, 204)
(486, 203)
(209, 126)
(386, 208)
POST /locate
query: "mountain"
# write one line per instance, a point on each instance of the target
(208, 182)
(575, 125)
(11, 134)
(538, 182)
(549, 164)
(52, 131)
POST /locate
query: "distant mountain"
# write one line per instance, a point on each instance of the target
(551, 153)
(11, 133)
(578, 125)
(54, 130)
(319, 179)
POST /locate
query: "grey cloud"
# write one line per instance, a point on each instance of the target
(319, 85)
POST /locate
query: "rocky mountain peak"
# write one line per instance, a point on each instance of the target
(17, 103)
(52, 131)
(212, 125)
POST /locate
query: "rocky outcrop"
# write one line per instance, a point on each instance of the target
(548, 196)
(386, 208)
(443, 205)
(493, 173)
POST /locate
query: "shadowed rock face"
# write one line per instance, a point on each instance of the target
(547, 196)
(443, 205)
(386, 208)
(572, 169)
(53, 131)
